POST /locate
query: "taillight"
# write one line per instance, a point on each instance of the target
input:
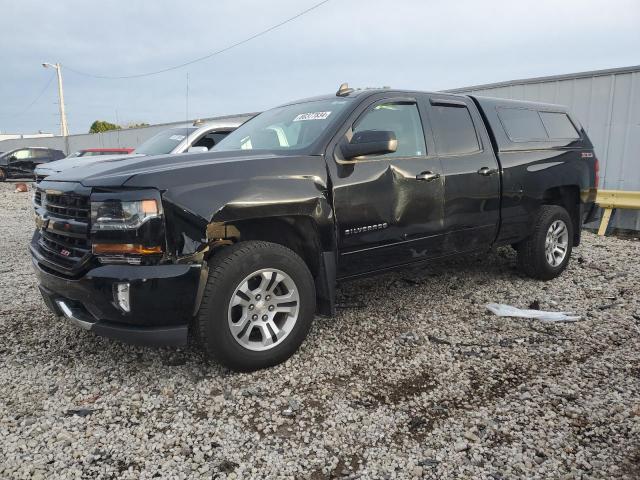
(597, 168)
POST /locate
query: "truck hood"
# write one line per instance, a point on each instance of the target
(160, 171)
(75, 162)
(211, 183)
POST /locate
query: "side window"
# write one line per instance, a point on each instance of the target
(454, 130)
(210, 140)
(22, 154)
(558, 125)
(522, 124)
(401, 118)
(38, 153)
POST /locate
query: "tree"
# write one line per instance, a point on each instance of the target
(103, 126)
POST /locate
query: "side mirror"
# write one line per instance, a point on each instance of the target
(12, 158)
(369, 142)
(197, 149)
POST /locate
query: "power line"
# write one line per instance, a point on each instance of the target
(46, 86)
(199, 59)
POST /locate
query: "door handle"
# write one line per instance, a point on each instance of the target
(427, 176)
(486, 171)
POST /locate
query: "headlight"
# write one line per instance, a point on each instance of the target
(118, 215)
(128, 228)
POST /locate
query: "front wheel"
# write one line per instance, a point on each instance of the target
(545, 253)
(257, 307)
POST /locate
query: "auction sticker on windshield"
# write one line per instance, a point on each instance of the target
(176, 137)
(311, 116)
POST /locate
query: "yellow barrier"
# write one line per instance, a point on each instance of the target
(610, 199)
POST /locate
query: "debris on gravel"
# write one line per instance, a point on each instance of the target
(413, 378)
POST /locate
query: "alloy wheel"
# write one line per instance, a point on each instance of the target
(556, 243)
(264, 309)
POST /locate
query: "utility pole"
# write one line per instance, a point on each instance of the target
(64, 131)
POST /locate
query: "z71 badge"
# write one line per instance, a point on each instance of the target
(366, 228)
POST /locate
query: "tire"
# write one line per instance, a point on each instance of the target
(539, 259)
(243, 331)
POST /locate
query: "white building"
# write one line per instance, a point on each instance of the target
(14, 136)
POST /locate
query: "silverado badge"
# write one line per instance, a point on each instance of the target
(366, 228)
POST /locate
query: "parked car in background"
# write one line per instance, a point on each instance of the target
(195, 138)
(245, 243)
(21, 162)
(93, 152)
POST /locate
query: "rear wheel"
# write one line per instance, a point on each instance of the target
(257, 307)
(545, 254)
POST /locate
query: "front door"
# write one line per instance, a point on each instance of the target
(389, 208)
(471, 171)
(19, 163)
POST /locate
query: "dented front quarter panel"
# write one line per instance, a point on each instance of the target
(203, 198)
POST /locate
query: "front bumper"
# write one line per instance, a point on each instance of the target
(162, 301)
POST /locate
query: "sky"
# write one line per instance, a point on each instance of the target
(414, 44)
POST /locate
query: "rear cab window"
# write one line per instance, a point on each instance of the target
(529, 125)
(558, 125)
(517, 125)
(522, 125)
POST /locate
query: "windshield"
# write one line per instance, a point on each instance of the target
(4, 157)
(285, 128)
(164, 142)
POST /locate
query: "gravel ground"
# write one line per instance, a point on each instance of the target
(412, 379)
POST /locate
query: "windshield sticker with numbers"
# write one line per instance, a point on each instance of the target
(311, 116)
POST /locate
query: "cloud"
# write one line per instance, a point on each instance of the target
(417, 44)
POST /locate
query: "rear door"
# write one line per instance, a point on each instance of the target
(471, 172)
(40, 155)
(388, 207)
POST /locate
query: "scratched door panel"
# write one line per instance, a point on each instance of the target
(385, 215)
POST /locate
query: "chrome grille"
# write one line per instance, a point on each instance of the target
(64, 239)
(68, 206)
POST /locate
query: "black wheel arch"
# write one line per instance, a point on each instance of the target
(299, 233)
(567, 197)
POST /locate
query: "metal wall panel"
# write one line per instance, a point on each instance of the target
(607, 103)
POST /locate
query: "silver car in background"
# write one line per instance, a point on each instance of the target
(195, 138)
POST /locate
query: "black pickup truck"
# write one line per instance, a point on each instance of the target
(243, 244)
